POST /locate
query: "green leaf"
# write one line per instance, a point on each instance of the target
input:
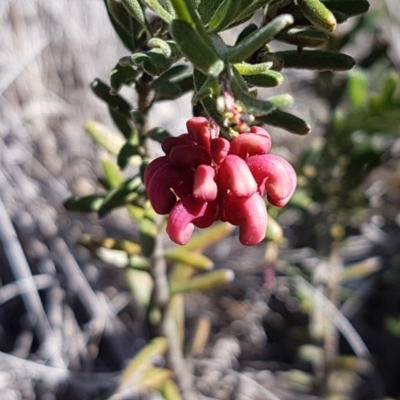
(320, 16)
(253, 106)
(135, 10)
(101, 135)
(154, 62)
(121, 195)
(224, 15)
(112, 173)
(286, 121)
(144, 359)
(199, 52)
(208, 104)
(207, 8)
(123, 123)
(259, 74)
(303, 37)
(158, 134)
(209, 237)
(165, 89)
(127, 151)
(202, 282)
(122, 23)
(209, 87)
(179, 255)
(281, 100)
(155, 6)
(255, 41)
(349, 8)
(148, 231)
(357, 85)
(248, 30)
(312, 60)
(103, 92)
(84, 204)
(121, 75)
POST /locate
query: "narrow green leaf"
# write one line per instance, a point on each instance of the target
(135, 10)
(128, 38)
(165, 89)
(121, 195)
(84, 204)
(255, 41)
(127, 151)
(154, 61)
(158, 134)
(202, 282)
(119, 14)
(170, 391)
(207, 8)
(313, 60)
(121, 75)
(104, 137)
(286, 121)
(112, 173)
(155, 6)
(122, 122)
(148, 231)
(267, 79)
(145, 358)
(207, 103)
(103, 92)
(259, 74)
(248, 30)
(303, 37)
(320, 16)
(199, 52)
(281, 100)
(209, 237)
(209, 87)
(253, 106)
(349, 8)
(357, 85)
(225, 13)
(189, 258)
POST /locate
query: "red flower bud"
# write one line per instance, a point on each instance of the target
(204, 188)
(250, 144)
(250, 214)
(276, 174)
(234, 175)
(180, 226)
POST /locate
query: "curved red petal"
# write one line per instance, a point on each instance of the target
(198, 128)
(204, 187)
(170, 142)
(250, 214)
(188, 156)
(180, 226)
(276, 174)
(153, 167)
(250, 144)
(158, 190)
(209, 217)
(259, 131)
(219, 149)
(234, 175)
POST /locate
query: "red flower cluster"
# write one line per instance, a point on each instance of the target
(216, 179)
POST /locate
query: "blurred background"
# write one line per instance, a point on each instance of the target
(316, 315)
